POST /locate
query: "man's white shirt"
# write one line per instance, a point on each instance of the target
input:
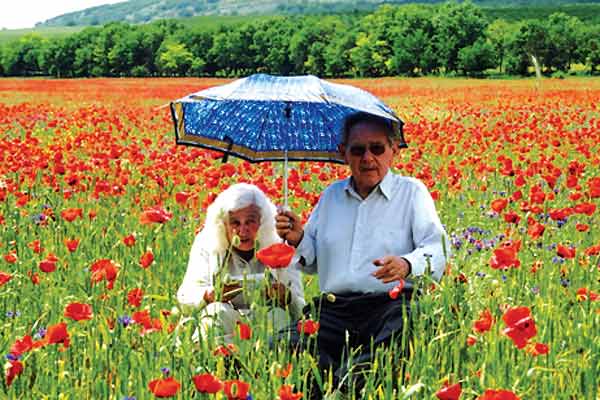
(346, 233)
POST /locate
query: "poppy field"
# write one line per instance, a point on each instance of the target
(99, 207)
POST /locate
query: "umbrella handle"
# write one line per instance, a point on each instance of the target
(285, 182)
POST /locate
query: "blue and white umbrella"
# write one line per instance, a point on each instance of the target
(274, 118)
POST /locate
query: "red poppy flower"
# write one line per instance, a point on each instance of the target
(506, 255)
(471, 340)
(15, 369)
(164, 387)
(71, 244)
(396, 290)
(498, 395)
(4, 277)
(285, 393)
(244, 330)
(11, 257)
(484, 323)
(225, 350)
(535, 230)
(594, 187)
(129, 240)
(593, 250)
(207, 383)
(308, 327)
(36, 246)
(584, 294)
(284, 372)
(56, 334)
(21, 346)
(449, 392)
(155, 214)
(79, 311)
(498, 205)
(520, 325)
(236, 389)
(585, 208)
(135, 296)
(104, 269)
(512, 217)
(182, 197)
(565, 252)
(146, 259)
(582, 227)
(278, 255)
(71, 214)
(537, 349)
(49, 264)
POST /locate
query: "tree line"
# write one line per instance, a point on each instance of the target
(451, 39)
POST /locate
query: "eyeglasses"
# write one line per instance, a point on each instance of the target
(359, 150)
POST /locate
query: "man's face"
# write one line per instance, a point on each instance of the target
(244, 223)
(360, 153)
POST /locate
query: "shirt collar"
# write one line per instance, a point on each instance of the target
(384, 187)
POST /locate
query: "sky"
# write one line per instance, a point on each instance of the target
(18, 14)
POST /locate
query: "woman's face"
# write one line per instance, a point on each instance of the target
(244, 223)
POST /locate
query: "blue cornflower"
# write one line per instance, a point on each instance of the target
(561, 222)
(40, 333)
(565, 282)
(165, 370)
(480, 274)
(38, 218)
(125, 320)
(558, 260)
(504, 278)
(12, 357)
(535, 290)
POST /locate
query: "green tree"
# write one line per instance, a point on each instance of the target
(456, 25)
(478, 57)
(373, 47)
(563, 40)
(412, 38)
(24, 57)
(174, 59)
(271, 43)
(529, 41)
(590, 47)
(498, 33)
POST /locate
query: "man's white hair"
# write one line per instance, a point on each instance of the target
(236, 197)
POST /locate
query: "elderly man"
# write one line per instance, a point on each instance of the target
(366, 234)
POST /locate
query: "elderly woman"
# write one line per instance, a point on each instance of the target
(222, 260)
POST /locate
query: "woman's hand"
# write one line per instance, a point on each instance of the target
(279, 294)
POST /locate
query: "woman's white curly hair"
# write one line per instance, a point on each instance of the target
(236, 197)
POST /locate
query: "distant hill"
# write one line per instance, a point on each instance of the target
(142, 11)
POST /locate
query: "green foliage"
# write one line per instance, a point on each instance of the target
(451, 38)
(478, 57)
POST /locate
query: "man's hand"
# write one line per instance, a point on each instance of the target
(391, 268)
(279, 293)
(289, 227)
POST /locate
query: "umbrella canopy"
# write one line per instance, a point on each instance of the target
(274, 118)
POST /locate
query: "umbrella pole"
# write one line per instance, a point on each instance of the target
(285, 181)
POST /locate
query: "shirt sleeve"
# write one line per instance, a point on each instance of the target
(428, 236)
(307, 248)
(197, 279)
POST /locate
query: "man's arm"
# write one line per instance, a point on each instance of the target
(429, 236)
